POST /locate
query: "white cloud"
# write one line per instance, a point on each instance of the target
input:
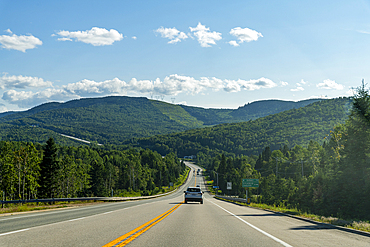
(19, 43)
(65, 39)
(330, 84)
(302, 82)
(284, 83)
(236, 86)
(22, 82)
(233, 43)
(364, 32)
(298, 88)
(28, 99)
(172, 34)
(245, 34)
(96, 36)
(87, 88)
(171, 85)
(134, 37)
(351, 92)
(204, 36)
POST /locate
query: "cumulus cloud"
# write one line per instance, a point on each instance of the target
(205, 37)
(96, 36)
(284, 83)
(171, 85)
(330, 84)
(302, 82)
(86, 88)
(19, 43)
(8, 82)
(233, 43)
(172, 34)
(245, 34)
(28, 99)
(236, 86)
(134, 37)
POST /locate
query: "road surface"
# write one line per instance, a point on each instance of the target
(214, 223)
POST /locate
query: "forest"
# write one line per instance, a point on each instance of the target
(30, 171)
(330, 179)
(292, 127)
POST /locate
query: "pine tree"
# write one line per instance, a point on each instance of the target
(48, 170)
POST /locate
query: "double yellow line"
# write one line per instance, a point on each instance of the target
(130, 236)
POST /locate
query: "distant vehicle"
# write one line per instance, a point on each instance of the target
(193, 194)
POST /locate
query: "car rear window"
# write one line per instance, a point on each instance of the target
(193, 189)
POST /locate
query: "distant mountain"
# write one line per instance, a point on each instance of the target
(114, 119)
(264, 108)
(291, 128)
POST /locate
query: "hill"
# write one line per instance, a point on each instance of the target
(114, 119)
(292, 127)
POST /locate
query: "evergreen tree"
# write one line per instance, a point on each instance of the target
(48, 170)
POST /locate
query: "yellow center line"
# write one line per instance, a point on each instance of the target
(130, 236)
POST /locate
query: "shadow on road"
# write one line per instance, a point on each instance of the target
(313, 227)
(257, 215)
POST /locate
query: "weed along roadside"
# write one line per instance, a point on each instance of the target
(356, 226)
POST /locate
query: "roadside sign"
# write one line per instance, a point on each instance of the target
(229, 185)
(251, 183)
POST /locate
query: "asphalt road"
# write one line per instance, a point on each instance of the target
(214, 223)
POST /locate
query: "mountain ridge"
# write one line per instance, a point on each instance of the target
(114, 119)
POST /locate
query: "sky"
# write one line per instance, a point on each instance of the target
(211, 54)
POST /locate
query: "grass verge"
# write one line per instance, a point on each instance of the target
(354, 224)
(14, 208)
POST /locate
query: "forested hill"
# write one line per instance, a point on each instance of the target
(263, 108)
(292, 127)
(115, 119)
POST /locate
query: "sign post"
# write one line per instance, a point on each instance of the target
(249, 183)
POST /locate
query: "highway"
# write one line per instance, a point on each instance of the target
(214, 223)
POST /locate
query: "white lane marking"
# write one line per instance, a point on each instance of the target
(254, 227)
(7, 233)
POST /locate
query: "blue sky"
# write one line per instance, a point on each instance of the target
(199, 53)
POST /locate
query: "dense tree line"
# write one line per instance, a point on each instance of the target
(292, 127)
(30, 171)
(330, 179)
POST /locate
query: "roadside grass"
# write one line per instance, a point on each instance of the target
(16, 207)
(351, 223)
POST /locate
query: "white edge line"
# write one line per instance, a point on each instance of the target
(7, 233)
(254, 227)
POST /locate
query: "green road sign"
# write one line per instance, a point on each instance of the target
(254, 183)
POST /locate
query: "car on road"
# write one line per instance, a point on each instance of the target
(193, 194)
